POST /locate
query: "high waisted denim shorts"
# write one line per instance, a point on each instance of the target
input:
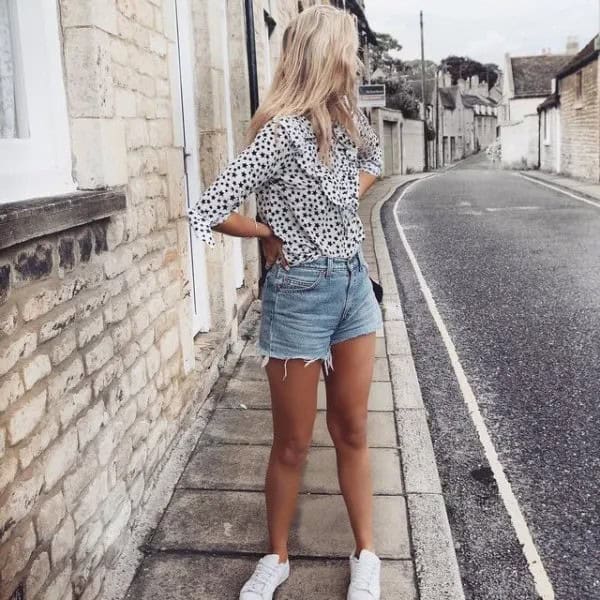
(314, 304)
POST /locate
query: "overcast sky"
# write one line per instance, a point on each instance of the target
(484, 30)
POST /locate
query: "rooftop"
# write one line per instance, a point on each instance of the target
(532, 75)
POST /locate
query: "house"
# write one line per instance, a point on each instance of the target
(570, 118)
(527, 83)
(464, 117)
(114, 322)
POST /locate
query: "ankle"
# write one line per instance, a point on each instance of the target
(283, 555)
(359, 547)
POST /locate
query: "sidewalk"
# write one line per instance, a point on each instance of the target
(578, 186)
(213, 529)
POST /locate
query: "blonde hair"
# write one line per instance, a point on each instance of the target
(316, 76)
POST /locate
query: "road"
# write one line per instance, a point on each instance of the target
(514, 272)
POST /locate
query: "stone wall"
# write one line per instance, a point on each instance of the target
(91, 368)
(580, 123)
(98, 365)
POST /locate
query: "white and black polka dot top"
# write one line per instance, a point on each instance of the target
(313, 208)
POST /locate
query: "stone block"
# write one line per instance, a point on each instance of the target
(38, 574)
(14, 350)
(62, 542)
(34, 371)
(86, 13)
(19, 549)
(89, 80)
(50, 515)
(60, 458)
(11, 389)
(99, 355)
(26, 418)
(103, 163)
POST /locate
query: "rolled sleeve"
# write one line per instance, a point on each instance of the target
(369, 154)
(248, 172)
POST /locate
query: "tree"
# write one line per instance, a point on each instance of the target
(396, 76)
(381, 57)
(463, 67)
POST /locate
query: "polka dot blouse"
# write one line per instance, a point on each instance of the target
(312, 207)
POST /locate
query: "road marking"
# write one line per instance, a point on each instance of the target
(561, 190)
(542, 582)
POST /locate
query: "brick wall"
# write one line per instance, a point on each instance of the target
(96, 350)
(91, 369)
(580, 155)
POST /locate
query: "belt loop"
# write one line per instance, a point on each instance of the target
(329, 268)
(361, 258)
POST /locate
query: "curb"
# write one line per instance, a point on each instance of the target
(560, 186)
(438, 575)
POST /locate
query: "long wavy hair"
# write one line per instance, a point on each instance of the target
(316, 76)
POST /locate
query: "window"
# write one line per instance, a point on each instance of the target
(35, 156)
(579, 86)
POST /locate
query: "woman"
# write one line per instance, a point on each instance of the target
(313, 153)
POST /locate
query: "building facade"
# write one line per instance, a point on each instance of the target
(114, 115)
(570, 118)
(464, 117)
(527, 82)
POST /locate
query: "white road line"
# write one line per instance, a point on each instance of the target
(561, 190)
(542, 582)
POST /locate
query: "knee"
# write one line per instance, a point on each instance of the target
(292, 453)
(348, 433)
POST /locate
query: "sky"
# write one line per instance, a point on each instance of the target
(485, 30)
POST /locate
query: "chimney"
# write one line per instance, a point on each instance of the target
(461, 84)
(474, 82)
(572, 45)
(446, 80)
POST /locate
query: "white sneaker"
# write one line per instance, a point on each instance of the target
(268, 575)
(364, 576)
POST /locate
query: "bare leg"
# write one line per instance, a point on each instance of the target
(294, 407)
(347, 405)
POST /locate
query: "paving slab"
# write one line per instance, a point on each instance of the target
(244, 468)
(226, 521)
(256, 394)
(255, 427)
(321, 472)
(207, 577)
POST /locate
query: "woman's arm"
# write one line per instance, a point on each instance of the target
(250, 170)
(369, 155)
(366, 180)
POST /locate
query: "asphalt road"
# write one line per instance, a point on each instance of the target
(514, 269)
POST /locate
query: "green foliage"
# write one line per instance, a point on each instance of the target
(400, 96)
(463, 67)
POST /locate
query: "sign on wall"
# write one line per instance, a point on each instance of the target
(371, 95)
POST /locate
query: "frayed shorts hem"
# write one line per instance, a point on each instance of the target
(266, 355)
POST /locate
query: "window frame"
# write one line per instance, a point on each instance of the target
(39, 164)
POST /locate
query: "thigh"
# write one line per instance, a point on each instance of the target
(293, 398)
(348, 384)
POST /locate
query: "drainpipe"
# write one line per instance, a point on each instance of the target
(251, 53)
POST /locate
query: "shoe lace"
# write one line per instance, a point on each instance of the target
(262, 575)
(362, 578)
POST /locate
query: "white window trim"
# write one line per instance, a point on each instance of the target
(40, 164)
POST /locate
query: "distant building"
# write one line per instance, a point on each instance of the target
(527, 83)
(464, 116)
(569, 119)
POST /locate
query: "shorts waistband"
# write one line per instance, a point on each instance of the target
(334, 263)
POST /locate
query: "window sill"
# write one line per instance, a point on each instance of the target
(30, 219)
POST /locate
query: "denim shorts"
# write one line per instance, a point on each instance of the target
(314, 304)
